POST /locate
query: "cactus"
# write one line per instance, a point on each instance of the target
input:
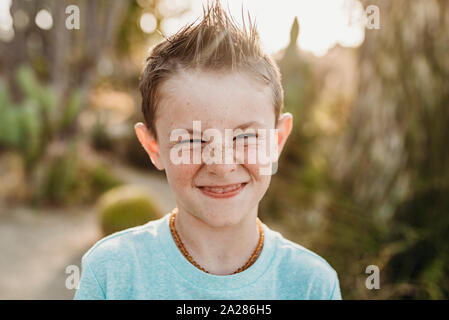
(29, 126)
(74, 105)
(59, 182)
(31, 131)
(125, 207)
(101, 179)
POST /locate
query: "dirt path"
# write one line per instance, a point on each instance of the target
(36, 246)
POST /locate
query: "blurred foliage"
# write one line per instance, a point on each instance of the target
(376, 192)
(124, 146)
(46, 76)
(99, 137)
(392, 160)
(64, 179)
(101, 178)
(422, 230)
(130, 32)
(60, 182)
(12, 170)
(28, 127)
(131, 151)
(298, 180)
(125, 207)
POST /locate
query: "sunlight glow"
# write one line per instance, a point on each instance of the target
(323, 23)
(6, 22)
(44, 20)
(148, 23)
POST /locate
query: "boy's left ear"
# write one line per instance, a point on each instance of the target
(284, 127)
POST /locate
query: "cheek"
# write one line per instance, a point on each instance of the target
(257, 159)
(260, 183)
(255, 172)
(181, 176)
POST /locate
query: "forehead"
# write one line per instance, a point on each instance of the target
(217, 99)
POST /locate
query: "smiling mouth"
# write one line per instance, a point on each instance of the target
(225, 191)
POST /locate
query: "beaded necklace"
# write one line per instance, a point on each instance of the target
(186, 254)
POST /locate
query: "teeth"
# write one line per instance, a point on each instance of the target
(223, 190)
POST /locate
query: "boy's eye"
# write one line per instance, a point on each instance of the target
(245, 136)
(192, 141)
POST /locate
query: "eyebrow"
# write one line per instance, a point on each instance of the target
(249, 124)
(241, 126)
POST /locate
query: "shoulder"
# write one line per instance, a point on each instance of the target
(302, 267)
(299, 257)
(112, 265)
(121, 246)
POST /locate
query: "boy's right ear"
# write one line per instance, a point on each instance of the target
(149, 143)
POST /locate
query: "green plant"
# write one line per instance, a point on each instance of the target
(66, 178)
(20, 128)
(30, 125)
(58, 180)
(125, 207)
(102, 179)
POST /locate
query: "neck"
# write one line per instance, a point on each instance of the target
(219, 250)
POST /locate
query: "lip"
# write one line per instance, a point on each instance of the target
(223, 195)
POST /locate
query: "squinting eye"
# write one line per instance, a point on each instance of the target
(191, 141)
(246, 135)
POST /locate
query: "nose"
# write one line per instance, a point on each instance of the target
(220, 169)
(223, 166)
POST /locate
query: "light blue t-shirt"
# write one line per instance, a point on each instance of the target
(144, 263)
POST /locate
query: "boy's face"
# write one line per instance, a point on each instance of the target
(226, 100)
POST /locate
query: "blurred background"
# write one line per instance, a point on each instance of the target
(363, 180)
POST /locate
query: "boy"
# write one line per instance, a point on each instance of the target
(207, 79)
